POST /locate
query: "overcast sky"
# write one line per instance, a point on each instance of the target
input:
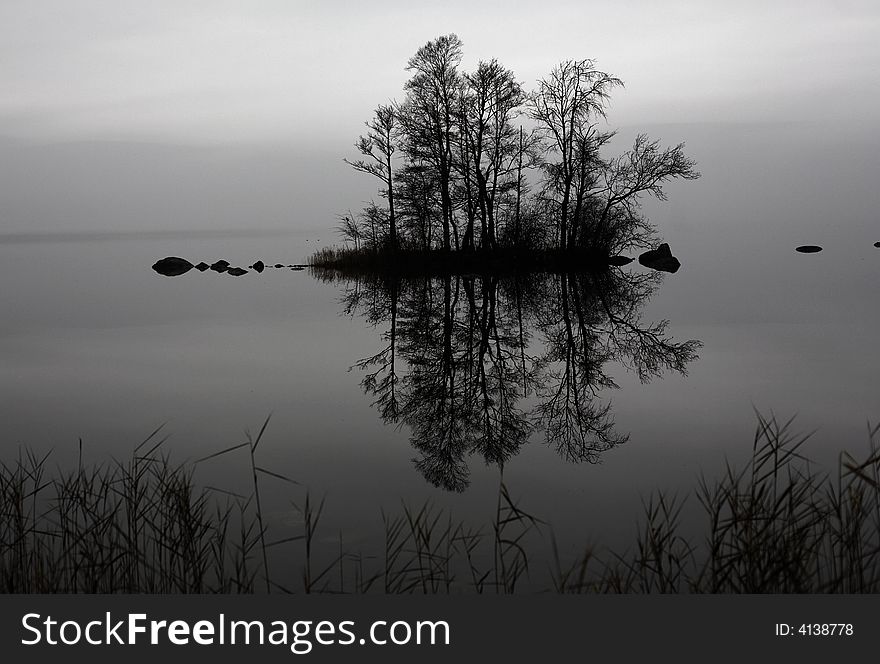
(270, 70)
(211, 114)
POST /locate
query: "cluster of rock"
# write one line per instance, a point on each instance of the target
(660, 259)
(173, 266)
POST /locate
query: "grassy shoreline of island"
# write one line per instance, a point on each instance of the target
(500, 261)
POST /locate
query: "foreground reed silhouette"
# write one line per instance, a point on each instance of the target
(776, 526)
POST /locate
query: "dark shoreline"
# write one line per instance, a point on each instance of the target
(439, 262)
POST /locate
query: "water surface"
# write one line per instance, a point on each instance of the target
(98, 347)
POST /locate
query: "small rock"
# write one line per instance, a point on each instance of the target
(236, 271)
(172, 266)
(201, 267)
(660, 259)
(877, 244)
(220, 266)
(259, 266)
(619, 260)
(297, 268)
(278, 265)
(808, 249)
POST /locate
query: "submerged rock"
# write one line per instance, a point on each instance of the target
(660, 259)
(259, 266)
(172, 266)
(201, 267)
(808, 249)
(236, 271)
(278, 265)
(619, 260)
(877, 244)
(220, 266)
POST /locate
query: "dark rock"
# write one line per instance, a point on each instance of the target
(619, 260)
(236, 271)
(220, 266)
(877, 244)
(201, 267)
(808, 249)
(278, 265)
(172, 266)
(259, 266)
(297, 268)
(660, 259)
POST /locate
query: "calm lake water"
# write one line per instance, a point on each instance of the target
(96, 346)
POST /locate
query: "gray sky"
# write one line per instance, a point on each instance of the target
(211, 114)
(216, 70)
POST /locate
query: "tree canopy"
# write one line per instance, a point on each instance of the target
(473, 162)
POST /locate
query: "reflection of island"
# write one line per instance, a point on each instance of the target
(473, 364)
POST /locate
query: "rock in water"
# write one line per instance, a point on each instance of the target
(220, 266)
(619, 260)
(278, 265)
(660, 259)
(236, 271)
(201, 267)
(877, 244)
(172, 266)
(808, 249)
(259, 266)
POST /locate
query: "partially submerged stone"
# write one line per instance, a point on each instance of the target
(660, 259)
(172, 266)
(809, 249)
(201, 267)
(220, 266)
(236, 271)
(259, 266)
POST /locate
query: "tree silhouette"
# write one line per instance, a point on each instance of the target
(428, 114)
(463, 181)
(378, 148)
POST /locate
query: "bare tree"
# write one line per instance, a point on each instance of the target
(566, 101)
(429, 112)
(350, 230)
(643, 169)
(378, 148)
(492, 100)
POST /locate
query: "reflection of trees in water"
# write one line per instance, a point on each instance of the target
(473, 364)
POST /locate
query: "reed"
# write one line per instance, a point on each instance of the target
(778, 525)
